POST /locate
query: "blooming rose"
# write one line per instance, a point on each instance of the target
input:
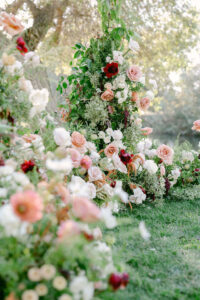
(27, 206)
(61, 137)
(134, 73)
(39, 99)
(75, 157)
(144, 103)
(68, 229)
(10, 24)
(85, 210)
(78, 140)
(196, 125)
(146, 130)
(108, 95)
(111, 69)
(150, 166)
(165, 153)
(86, 162)
(95, 174)
(134, 97)
(110, 150)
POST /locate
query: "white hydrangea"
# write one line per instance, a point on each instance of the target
(187, 156)
(81, 288)
(150, 166)
(138, 197)
(118, 57)
(12, 225)
(108, 218)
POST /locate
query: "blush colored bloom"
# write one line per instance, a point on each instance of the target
(162, 170)
(63, 192)
(110, 150)
(85, 210)
(27, 206)
(8, 60)
(86, 162)
(165, 153)
(111, 69)
(27, 166)
(146, 130)
(134, 97)
(78, 140)
(68, 229)
(108, 95)
(134, 73)
(10, 24)
(144, 103)
(196, 125)
(75, 157)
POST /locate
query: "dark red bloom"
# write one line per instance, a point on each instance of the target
(111, 69)
(113, 184)
(27, 166)
(115, 281)
(2, 162)
(167, 185)
(125, 157)
(124, 279)
(21, 45)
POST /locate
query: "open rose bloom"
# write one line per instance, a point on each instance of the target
(196, 125)
(134, 73)
(108, 95)
(165, 153)
(85, 209)
(10, 24)
(144, 103)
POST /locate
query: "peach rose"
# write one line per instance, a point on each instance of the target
(146, 130)
(134, 97)
(134, 73)
(108, 95)
(10, 24)
(165, 153)
(68, 229)
(86, 162)
(196, 125)
(85, 210)
(78, 140)
(110, 150)
(27, 206)
(75, 157)
(144, 103)
(95, 174)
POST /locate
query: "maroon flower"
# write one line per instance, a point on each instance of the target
(111, 69)
(125, 157)
(115, 281)
(113, 184)
(27, 166)
(21, 46)
(124, 279)
(167, 185)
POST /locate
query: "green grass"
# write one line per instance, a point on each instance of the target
(168, 265)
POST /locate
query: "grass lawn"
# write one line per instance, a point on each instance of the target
(168, 265)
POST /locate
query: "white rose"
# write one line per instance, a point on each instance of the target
(91, 190)
(108, 218)
(95, 174)
(25, 85)
(117, 135)
(138, 196)
(39, 99)
(61, 137)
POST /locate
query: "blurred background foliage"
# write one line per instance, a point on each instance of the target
(168, 34)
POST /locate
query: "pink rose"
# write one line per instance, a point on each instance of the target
(110, 150)
(134, 73)
(27, 206)
(146, 130)
(75, 157)
(162, 170)
(63, 192)
(85, 210)
(86, 162)
(165, 153)
(134, 97)
(108, 95)
(78, 140)
(95, 174)
(144, 103)
(68, 229)
(196, 125)
(10, 24)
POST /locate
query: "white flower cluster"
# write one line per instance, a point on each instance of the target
(144, 147)
(175, 174)
(115, 136)
(78, 187)
(81, 288)
(187, 156)
(138, 197)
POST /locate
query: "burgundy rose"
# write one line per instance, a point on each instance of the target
(27, 166)
(111, 69)
(115, 281)
(125, 157)
(21, 46)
